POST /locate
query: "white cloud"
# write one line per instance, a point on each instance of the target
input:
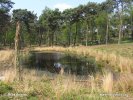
(62, 6)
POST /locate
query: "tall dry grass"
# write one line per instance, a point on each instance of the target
(6, 55)
(9, 75)
(42, 83)
(62, 84)
(108, 82)
(115, 61)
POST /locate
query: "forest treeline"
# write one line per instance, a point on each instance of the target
(93, 23)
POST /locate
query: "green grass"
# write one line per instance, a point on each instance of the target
(46, 90)
(125, 50)
(42, 90)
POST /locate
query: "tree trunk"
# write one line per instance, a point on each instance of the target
(120, 30)
(75, 38)
(40, 40)
(107, 31)
(4, 39)
(17, 37)
(52, 38)
(132, 26)
(40, 37)
(48, 37)
(98, 37)
(87, 32)
(69, 40)
(132, 34)
(91, 32)
(121, 22)
(17, 48)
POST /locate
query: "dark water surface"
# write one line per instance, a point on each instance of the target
(54, 62)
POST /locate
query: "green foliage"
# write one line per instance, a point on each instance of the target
(50, 20)
(5, 88)
(26, 16)
(82, 25)
(83, 94)
(5, 7)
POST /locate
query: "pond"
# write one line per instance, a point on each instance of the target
(57, 62)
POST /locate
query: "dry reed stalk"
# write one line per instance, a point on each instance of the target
(108, 82)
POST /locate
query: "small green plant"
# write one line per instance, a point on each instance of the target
(32, 96)
(5, 88)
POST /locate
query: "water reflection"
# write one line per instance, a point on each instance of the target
(56, 62)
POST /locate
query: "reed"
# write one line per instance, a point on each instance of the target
(45, 85)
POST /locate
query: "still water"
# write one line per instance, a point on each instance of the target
(55, 62)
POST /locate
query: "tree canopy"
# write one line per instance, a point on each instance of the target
(110, 21)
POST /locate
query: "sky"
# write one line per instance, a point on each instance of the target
(39, 5)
